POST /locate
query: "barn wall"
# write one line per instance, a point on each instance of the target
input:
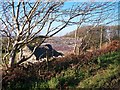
(26, 53)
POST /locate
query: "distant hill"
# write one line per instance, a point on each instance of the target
(93, 35)
(83, 30)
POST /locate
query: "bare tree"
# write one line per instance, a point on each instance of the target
(22, 21)
(102, 16)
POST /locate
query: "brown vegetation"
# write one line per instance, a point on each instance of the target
(43, 72)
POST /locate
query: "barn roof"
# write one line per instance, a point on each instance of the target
(41, 51)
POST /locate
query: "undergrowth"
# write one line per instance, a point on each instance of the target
(97, 72)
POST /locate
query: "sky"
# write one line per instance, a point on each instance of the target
(69, 0)
(67, 5)
(72, 28)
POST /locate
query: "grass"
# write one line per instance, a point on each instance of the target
(107, 67)
(97, 73)
(98, 80)
(91, 75)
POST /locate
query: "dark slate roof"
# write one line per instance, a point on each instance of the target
(44, 50)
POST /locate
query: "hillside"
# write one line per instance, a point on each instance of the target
(97, 69)
(94, 37)
(96, 30)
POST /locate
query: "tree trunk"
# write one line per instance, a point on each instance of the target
(12, 57)
(119, 32)
(101, 37)
(76, 38)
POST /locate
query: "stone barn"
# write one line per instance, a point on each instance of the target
(41, 52)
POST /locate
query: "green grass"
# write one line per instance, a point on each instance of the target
(100, 78)
(109, 68)
(97, 73)
(92, 74)
(109, 58)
